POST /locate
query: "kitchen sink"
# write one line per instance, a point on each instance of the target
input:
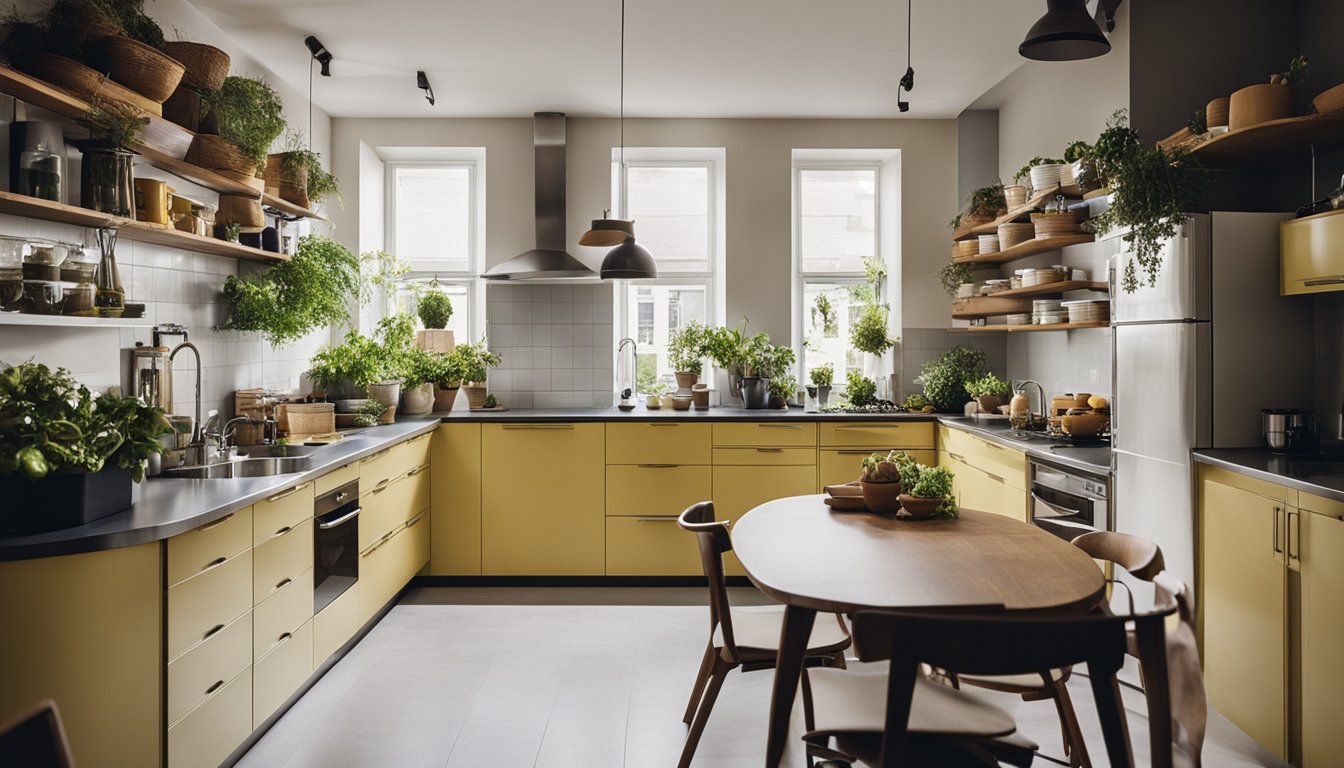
(247, 467)
(277, 451)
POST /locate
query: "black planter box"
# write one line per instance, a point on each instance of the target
(61, 500)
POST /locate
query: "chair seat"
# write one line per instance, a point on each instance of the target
(854, 700)
(1010, 683)
(758, 628)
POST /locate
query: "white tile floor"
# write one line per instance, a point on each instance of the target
(554, 678)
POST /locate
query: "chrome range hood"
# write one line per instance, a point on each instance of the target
(549, 260)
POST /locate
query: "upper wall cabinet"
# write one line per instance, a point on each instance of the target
(1312, 252)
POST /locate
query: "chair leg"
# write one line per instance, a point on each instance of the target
(1111, 713)
(716, 678)
(1074, 746)
(838, 661)
(808, 719)
(700, 678)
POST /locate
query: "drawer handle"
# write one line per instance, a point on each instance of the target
(290, 492)
(416, 520)
(281, 532)
(659, 466)
(664, 424)
(283, 638)
(996, 478)
(381, 487)
(956, 456)
(218, 561)
(1324, 281)
(769, 450)
(381, 483)
(867, 427)
(217, 523)
(218, 684)
(417, 470)
(375, 547)
(212, 631)
(855, 453)
(373, 456)
(657, 519)
(779, 426)
(538, 426)
(284, 583)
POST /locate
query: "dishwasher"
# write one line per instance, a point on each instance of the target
(1069, 502)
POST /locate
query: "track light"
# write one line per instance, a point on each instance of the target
(907, 82)
(319, 52)
(908, 79)
(422, 82)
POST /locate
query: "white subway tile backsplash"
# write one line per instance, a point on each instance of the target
(555, 341)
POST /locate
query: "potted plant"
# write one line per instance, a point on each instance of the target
(953, 274)
(105, 174)
(292, 298)
(476, 359)
(449, 370)
(1261, 103)
(369, 412)
(1077, 157)
(434, 308)
(989, 392)
(927, 490)
(944, 377)
(869, 334)
(984, 205)
(822, 376)
(423, 371)
(246, 113)
(881, 481)
(686, 353)
(782, 389)
(346, 371)
(860, 390)
(727, 347)
(67, 456)
(755, 363)
(1045, 173)
(296, 174)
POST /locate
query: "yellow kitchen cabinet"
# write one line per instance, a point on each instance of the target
(214, 729)
(387, 507)
(655, 489)
(737, 489)
(1311, 252)
(278, 674)
(1001, 461)
(542, 510)
(774, 434)
(867, 434)
(651, 545)
(205, 604)
(207, 547)
(281, 513)
(1243, 543)
(194, 676)
(841, 465)
(658, 442)
(1316, 541)
(455, 500)
(335, 624)
(987, 492)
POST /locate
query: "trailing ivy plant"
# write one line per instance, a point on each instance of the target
(248, 111)
(297, 157)
(310, 290)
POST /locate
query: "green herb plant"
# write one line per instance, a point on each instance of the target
(117, 124)
(883, 467)
(822, 375)
(296, 158)
(823, 308)
(927, 482)
(1076, 151)
(989, 385)
(490, 402)
(869, 333)
(357, 360)
(249, 114)
(727, 346)
(50, 423)
(1198, 123)
(955, 222)
(988, 201)
(916, 401)
(686, 349)
(953, 274)
(475, 359)
(859, 389)
(434, 307)
(368, 412)
(294, 297)
(944, 377)
(783, 386)
(1298, 69)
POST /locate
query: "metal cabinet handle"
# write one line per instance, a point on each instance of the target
(416, 520)
(218, 684)
(1294, 536)
(769, 450)
(1324, 281)
(417, 470)
(326, 525)
(283, 638)
(779, 426)
(217, 523)
(218, 561)
(209, 633)
(996, 479)
(658, 466)
(290, 492)
(956, 456)
(538, 426)
(1278, 550)
(867, 427)
(855, 453)
(281, 532)
(664, 424)
(284, 583)
(657, 519)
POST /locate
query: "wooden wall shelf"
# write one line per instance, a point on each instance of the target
(1030, 328)
(1033, 204)
(1028, 248)
(289, 209)
(986, 306)
(140, 231)
(71, 321)
(1275, 141)
(1051, 288)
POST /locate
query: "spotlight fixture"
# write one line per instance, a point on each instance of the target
(319, 52)
(422, 82)
(907, 82)
(1067, 32)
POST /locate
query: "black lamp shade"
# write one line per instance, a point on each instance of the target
(628, 261)
(1065, 33)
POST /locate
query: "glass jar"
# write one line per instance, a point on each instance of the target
(109, 297)
(105, 180)
(37, 157)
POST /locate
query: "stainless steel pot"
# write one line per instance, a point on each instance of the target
(1274, 423)
(1287, 429)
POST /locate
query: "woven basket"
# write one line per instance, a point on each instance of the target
(80, 80)
(289, 184)
(970, 220)
(1015, 195)
(145, 70)
(1257, 104)
(306, 418)
(1330, 102)
(1056, 224)
(206, 66)
(245, 211)
(183, 108)
(83, 23)
(964, 248)
(1215, 112)
(220, 154)
(1011, 234)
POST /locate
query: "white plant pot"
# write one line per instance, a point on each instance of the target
(418, 400)
(1045, 177)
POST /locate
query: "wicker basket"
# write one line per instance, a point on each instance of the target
(1011, 234)
(1215, 112)
(80, 80)
(1330, 102)
(287, 183)
(206, 66)
(1260, 103)
(965, 248)
(145, 70)
(83, 23)
(1056, 224)
(220, 154)
(306, 418)
(183, 108)
(240, 209)
(475, 395)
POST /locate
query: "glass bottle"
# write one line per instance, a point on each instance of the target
(109, 297)
(105, 180)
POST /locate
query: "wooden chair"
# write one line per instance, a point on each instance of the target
(909, 721)
(1143, 560)
(746, 638)
(35, 739)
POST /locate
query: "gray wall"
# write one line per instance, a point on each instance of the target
(977, 150)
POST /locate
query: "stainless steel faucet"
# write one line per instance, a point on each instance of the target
(1039, 389)
(195, 450)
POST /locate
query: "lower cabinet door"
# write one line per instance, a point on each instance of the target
(737, 489)
(280, 673)
(1320, 543)
(983, 491)
(280, 615)
(205, 604)
(652, 545)
(412, 550)
(198, 673)
(335, 624)
(836, 466)
(213, 730)
(376, 567)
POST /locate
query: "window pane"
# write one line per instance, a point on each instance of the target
(838, 219)
(432, 210)
(458, 292)
(660, 310)
(670, 208)
(828, 312)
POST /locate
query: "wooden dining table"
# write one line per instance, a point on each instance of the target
(810, 558)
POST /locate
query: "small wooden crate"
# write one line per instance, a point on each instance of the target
(435, 340)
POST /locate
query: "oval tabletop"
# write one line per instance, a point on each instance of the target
(799, 552)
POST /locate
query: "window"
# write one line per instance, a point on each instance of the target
(675, 206)
(836, 231)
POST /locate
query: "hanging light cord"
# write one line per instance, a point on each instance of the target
(622, 86)
(310, 103)
(909, 17)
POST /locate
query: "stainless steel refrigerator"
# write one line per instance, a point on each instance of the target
(1195, 358)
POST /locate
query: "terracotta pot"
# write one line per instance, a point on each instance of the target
(418, 399)
(1257, 104)
(989, 403)
(475, 395)
(700, 395)
(444, 399)
(686, 380)
(881, 497)
(1215, 112)
(920, 508)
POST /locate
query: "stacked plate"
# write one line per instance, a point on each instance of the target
(1045, 276)
(989, 243)
(1047, 311)
(1021, 318)
(1011, 234)
(1088, 311)
(994, 286)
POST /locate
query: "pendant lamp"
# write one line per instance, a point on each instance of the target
(628, 261)
(1067, 32)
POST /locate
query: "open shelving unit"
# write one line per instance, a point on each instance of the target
(1290, 138)
(1036, 291)
(71, 321)
(1025, 249)
(1030, 328)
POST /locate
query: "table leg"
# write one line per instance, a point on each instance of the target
(793, 636)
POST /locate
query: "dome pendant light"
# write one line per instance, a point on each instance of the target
(628, 260)
(1067, 32)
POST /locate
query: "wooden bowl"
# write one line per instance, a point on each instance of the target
(206, 66)
(144, 69)
(1084, 425)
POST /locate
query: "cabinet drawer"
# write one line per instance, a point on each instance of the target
(990, 458)
(989, 493)
(279, 561)
(201, 672)
(377, 573)
(878, 434)
(281, 614)
(651, 546)
(658, 442)
(281, 512)
(195, 551)
(837, 465)
(213, 730)
(1321, 505)
(1312, 255)
(738, 489)
(389, 506)
(656, 490)
(765, 456)
(202, 606)
(335, 624)
(731, 433)
(336, 478)
(379, 469)
(413, 452)
(413, 549)
(276, 677)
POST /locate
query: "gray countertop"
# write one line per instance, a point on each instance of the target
(169, 506)
(640, 413)
(1088, 458)
(1321, 475)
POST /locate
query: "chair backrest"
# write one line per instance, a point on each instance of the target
(35, 739)
(712, 537)
(997, 644)
(1140, 557)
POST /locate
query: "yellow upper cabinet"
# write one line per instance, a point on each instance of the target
(543, 499)
(658, 442)
(1312, 254)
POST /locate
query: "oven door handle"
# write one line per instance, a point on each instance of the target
(1058, 510)
(327, 525)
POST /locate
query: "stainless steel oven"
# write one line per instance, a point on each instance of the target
(335, 543)
(1069, 502)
